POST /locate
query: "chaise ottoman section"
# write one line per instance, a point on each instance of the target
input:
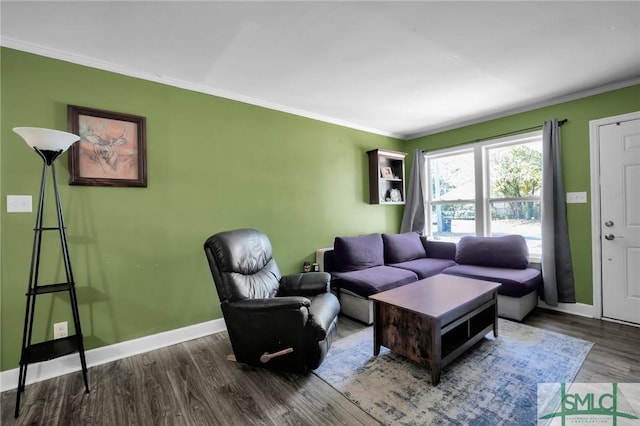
(515, 282)
(518, 293)
(504, 260)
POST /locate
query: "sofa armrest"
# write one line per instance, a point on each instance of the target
(325, 259)
(304, 284)
(439, 249)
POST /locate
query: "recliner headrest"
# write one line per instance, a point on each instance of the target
(244, 251)
(242, 265)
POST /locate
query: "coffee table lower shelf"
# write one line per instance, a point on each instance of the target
(468, 330)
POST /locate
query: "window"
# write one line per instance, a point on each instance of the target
(452, 200)
(489, 188)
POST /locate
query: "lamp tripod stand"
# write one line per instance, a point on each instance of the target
(49, 145)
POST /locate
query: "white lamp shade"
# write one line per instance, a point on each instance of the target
(46, 139)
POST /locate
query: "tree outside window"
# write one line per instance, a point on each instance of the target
(516, 172)
(510, 196)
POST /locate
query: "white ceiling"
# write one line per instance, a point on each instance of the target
(402, 69)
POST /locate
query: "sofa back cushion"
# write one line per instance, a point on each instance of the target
(356, 253)
(400, 248)
(509, 251)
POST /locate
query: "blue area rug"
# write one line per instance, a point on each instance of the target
(494, 383)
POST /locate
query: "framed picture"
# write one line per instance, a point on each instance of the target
(112, 150)
(386, 172)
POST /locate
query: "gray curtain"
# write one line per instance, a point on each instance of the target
(413, 217)
(557, 269)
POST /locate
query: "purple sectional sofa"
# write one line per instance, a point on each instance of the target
(368, 264)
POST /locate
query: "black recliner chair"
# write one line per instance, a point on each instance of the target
(286, 323)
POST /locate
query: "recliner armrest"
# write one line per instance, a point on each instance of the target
(324, 309)
(274, 303)
(304, 284)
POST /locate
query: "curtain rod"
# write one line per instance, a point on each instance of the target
(513, 132)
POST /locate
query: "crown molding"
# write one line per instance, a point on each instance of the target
(530, 107)
(182, 84)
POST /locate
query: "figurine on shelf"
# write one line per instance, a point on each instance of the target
(395, 195)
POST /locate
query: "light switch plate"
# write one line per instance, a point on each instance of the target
(19, 204)
(576, 197)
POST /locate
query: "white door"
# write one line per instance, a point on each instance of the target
(620, 219)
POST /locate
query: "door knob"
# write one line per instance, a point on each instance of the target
(610, 237)
(608, 223)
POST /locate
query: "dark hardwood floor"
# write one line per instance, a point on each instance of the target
(615, 356)
(192, 384)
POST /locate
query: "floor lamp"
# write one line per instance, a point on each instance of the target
(49, 145)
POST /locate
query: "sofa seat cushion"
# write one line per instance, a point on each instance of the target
(374, 280)
(515, 282)
(426, 267)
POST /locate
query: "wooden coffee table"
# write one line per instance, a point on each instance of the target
(433, 321)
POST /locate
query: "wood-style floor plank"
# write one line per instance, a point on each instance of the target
(615, 356)
(192, 383)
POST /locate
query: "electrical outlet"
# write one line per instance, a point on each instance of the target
(60, 330)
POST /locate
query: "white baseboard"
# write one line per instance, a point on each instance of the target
(70, 363)
(580, 309)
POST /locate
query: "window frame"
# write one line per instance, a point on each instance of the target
(482, 180)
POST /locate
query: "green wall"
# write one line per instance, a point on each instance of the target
(213, 165)
(575, 152)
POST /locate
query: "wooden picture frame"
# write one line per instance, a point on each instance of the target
(386, 173)
(112, 150)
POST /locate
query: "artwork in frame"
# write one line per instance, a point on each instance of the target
(112, 150)
(386, 173)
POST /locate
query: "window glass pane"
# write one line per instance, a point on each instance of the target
(452, 177)
(510, 195)
(518, 217)
(516, 170)
(450, 222)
